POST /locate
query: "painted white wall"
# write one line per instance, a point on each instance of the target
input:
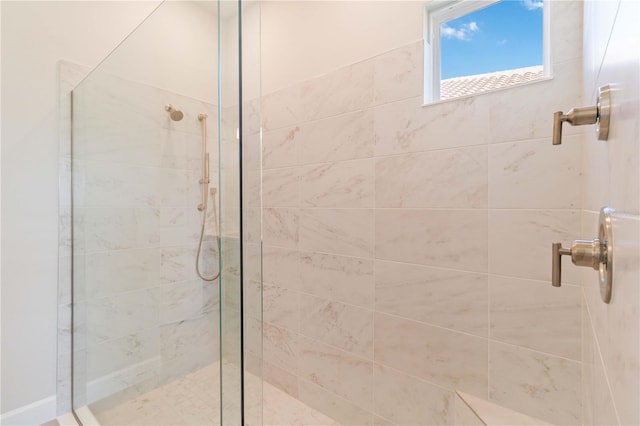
(35, 36)
(175, 49)
(357, 30)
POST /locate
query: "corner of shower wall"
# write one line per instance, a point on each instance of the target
(611, 332)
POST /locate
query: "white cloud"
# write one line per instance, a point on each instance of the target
(464, 32)
(502, 42)
(532, 4)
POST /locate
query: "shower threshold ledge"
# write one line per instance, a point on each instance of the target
(471, 410)
(193, 399)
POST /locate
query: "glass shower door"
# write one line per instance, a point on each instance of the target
(156, 179)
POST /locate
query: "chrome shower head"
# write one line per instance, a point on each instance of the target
(175, 114)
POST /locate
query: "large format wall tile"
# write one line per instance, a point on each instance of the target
(106, 229)
(341, 231)
(280, 307)
(344, 90)
(281, 347)
(517, 180)
(447, 178)
(128, 313)
(406, 126)
(346, 412)
(280, 187)
(114, 272)
(341, 278)
(281, 227)
(616, 325)
(338, 184)
(520, 242)
(451, 299)
(343, 137)
(177, 264)
(281, 266)
(430, 196)
(340, 372)
(530, 117)
(447, 358)
(279, 147)
(399, 74)
(408, 400)
(444, 238)
(347, 327)
(545, 386)
(536, 315)
(597, 401)
(118, 354)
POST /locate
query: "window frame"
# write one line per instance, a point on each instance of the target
(437, 12)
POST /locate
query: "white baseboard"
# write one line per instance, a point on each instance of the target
(120, 380)
(35, 413)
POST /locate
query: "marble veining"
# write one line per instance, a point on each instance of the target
(341, 278)
(344, 326)
(456, 178)
(536, 315)
(341, 231)
(383, 214)
(443, 357)
(445, 238)
(450, 299)
(543, 388)
(338, 184)
(408, 400)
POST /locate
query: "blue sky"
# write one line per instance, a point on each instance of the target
(502, 36)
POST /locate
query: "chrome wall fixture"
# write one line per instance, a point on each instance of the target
(600, 115)
(596, 253)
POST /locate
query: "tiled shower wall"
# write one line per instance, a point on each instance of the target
(611, 345)
(142, 315)
(406, 247)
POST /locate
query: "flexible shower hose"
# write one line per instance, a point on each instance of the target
(204, 219)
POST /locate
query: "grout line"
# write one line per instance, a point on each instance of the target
(601, 360)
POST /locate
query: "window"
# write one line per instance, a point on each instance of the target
(474, 46)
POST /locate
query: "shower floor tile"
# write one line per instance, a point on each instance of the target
(194, 400)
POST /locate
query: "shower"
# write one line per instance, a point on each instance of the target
(175, 114)
(202, 207)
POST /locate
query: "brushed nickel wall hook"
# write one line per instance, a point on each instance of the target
(600, 115)
(596, 254)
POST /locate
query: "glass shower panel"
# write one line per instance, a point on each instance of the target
(251, 140)
(150, 193)
(231, 335)
(240, 183)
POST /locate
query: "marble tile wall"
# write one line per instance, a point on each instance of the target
(406, 247)
(142, 315)
(611, 344)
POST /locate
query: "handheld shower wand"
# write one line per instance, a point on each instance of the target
(202, 207)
